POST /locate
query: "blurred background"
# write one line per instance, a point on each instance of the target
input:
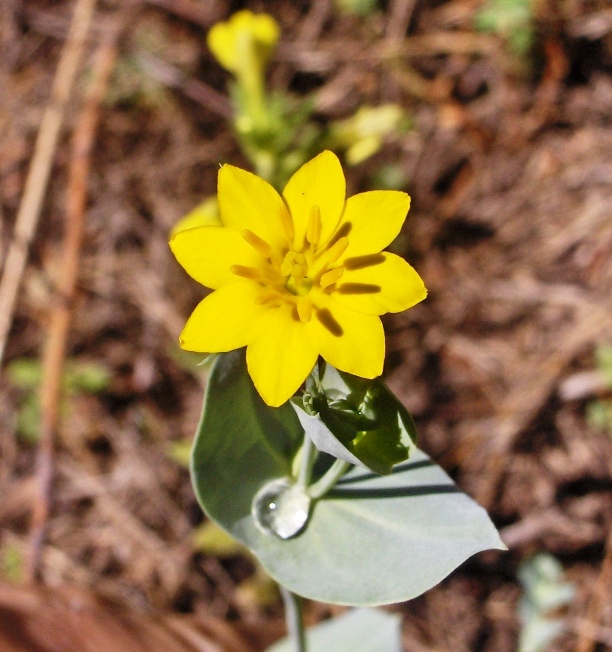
(495, 116)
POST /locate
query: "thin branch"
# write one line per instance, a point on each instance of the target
(55, 345)
(38, 176)
(399, 20)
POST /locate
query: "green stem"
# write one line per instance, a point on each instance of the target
(308, 454)
(293, 617)
(324, 484)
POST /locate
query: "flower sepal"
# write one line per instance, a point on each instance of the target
(356, 420)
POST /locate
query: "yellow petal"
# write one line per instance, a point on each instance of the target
(320, 182)
(348, 340)
(221, 42)
(248, 202)
(279, 355)
(389, 284)
(223, 320)
(205, 214)
(266, 32)
(224, 38)
(208, 252)
(375, 219)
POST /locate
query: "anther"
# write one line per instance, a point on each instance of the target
(337, 249)
(304, 309)
(329, 278)
(313, 230)
(260, 246)
(246, 272)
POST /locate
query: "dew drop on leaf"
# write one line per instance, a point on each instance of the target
(281, 508)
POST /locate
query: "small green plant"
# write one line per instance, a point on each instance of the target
(12, 563)
(356, 7)
(544, 595)
(599, 412)
(25, 374)
(303, 455)
(275, 129)
(512, 20)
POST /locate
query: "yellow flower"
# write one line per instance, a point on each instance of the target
(362, 134)
(297, 276)
(245, 36)
(205, 214)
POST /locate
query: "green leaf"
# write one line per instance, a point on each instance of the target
(358, 630)
(603, 357)
(511, 19)
(356, 420)
(89, 377)
(544, 595)
(372, 540)
(24, 373)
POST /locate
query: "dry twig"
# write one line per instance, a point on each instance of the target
(399, 19)
(38, 176)
(55, 347)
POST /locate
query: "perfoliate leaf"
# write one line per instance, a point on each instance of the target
(357, 420)
(358, 630)
(371, 540)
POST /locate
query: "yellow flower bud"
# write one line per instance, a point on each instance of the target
(245, 34)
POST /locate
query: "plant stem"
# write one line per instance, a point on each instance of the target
(324, 484)
(293, 618)
(308, 455)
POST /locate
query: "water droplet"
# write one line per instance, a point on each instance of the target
(281, 508)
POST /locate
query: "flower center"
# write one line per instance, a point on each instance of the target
(290, 277)
(295, 270)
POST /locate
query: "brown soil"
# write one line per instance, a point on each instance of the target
(509, 167)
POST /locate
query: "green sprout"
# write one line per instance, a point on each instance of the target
(512, 20)
(26, 374)
(599, 411)
(544, 594)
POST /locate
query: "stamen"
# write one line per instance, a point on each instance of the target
(329, 278)
(304, 309)
(337, 249)
(313, 230)
(359, 288)
(287, 265)
(287, 224)
(329, 322)
(266, 297)
(260, 246)
(363, 262)
(246, 272)
(298, 272)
